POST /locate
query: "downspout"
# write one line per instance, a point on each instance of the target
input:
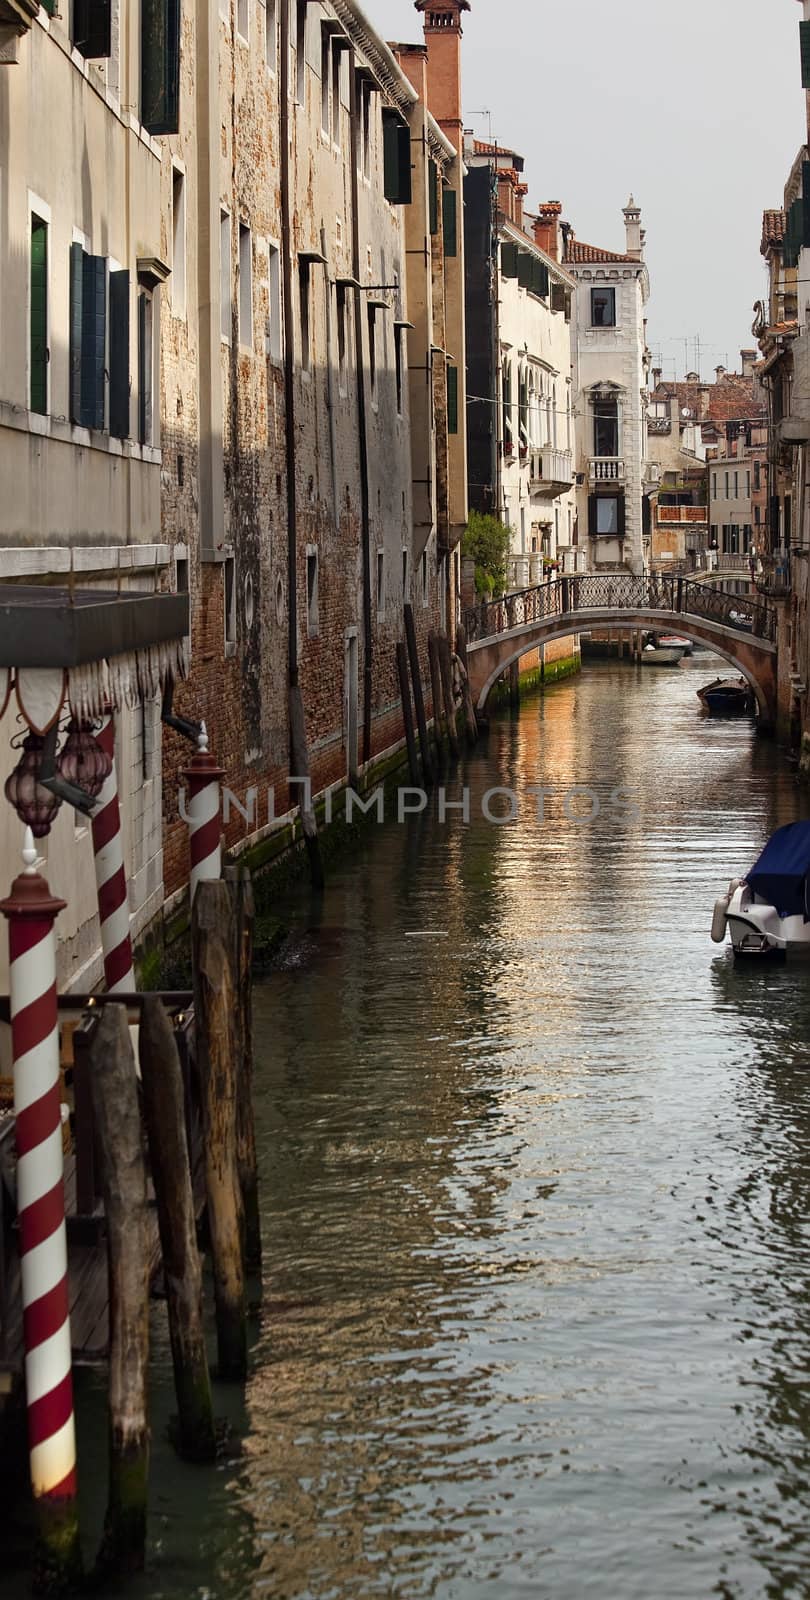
(362, 425)
(496, 344)
(289, 352)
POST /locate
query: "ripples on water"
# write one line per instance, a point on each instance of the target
(535, 1199)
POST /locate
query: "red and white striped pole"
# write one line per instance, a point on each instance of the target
(205, 831)
(111, 878)
(31, 911)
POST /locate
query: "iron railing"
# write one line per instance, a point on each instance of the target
(620, 591)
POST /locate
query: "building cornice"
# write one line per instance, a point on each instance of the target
(510, 230)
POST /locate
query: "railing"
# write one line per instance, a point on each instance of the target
(552, 469)
(620, 591)
(607, 469)
(683, 514)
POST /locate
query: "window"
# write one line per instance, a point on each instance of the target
(424, 578)
(397, 160)
(146, 367)
(757, 476)
(452, 399)
(372, 352)
(245, 287)
(312, 591)
(342, 341)
(274, 346)
(506, 403)
(404, 572)
(178, 243)
(38, 353)
(337, 57)
(606, 515)
(714, 485)
(119, 354)
(230, 600)
(367, 98)
(450, 215)
(603, 308)
(160, 66)
(243, 18)
(399, 335)
(91, 28)
(605, 426)
(88, 337)
(433, 196)
(225, 299)
(270, 35)
(326, 57)
(757, 515)
(747, 485)
(380, 582)
(304, 308)
(300, 50)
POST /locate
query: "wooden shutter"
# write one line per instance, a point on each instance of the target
(558, 297)
(452, 399)
(75, 376)
(433, 196)
(145, 368)
(160, 66)
(509, 260)
(525, 266)
(540, 282)
(92, 28)
(621, 516)
(119, 355)
(396, 160)
(592, 514)
(804, 42)
(450, 213)
(38, 331)
(94, 332)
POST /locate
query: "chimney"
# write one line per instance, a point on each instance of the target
(520, 192)
(748, 358)
(547, 228)
(443, 35)
(633, 229)
(719, 374)
(657, 375)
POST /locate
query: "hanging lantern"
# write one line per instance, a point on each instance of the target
(34, 805)
(82, 761)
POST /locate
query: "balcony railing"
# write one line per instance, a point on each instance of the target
(682, 514)
(552, 471)
(607, 469)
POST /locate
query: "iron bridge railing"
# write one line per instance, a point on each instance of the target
(621, 591)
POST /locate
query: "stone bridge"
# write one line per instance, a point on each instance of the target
(741, 628)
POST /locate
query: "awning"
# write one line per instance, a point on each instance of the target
(780, 875)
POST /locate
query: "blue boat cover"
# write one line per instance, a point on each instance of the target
(780, 875)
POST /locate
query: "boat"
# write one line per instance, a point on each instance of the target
(654, 656)
(727, 697)
(673, 641)
(767, 913)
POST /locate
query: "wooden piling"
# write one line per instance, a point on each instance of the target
(418, 696)
(514, 684)
(447, 692)
(299, 759)
(213, 939)
(123, 1181)
(470, 721)
(407, 713)
(241, 889)
(439, 724)
(164, 1110)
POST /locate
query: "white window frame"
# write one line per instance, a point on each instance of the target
(37, 207)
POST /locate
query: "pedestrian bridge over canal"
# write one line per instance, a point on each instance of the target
(741, 628)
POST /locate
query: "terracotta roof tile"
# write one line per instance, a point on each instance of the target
(582, 253)
(774, 227)
(733, 399)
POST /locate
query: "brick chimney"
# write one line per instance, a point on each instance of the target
(634, 231)
(443, 35)
(547, 228)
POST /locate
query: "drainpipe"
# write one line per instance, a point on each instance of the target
(365, 514)
(289, 351)
(496, 349)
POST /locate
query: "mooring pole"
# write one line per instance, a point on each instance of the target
(111, 878)
(205, 831)
(31, 911)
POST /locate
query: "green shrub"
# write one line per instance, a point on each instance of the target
(487, 541)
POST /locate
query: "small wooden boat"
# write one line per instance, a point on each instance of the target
(673, 641)
(657, 657)
(727, 697)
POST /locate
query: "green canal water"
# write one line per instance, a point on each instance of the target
(536, 1196)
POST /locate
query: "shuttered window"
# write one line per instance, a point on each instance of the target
(509, 260)
(119, 355)
(452, 399)
(433, 196)
(450, 214)
(92, 28)
(804, 38)
(145, 368)
(38, 331)
(540, 281)
(88, 337)
(396, 160)
(160, 65)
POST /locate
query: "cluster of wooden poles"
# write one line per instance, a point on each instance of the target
(445, 710)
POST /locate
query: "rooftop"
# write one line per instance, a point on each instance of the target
(774, 227)
(577, 252)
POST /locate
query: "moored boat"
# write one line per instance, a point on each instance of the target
(673, 641)
(727, 697)
(768, 911)
(652, 656)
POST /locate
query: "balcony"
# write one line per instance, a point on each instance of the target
(552, 471)
(682, 514)
(607, 469)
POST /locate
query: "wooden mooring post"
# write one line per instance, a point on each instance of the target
(241, 889)
(418, 696)
(407, 711)
(213, 945)
(165, 1114)
(439, 726)
(123, 1180)
(470, 722)
(447, 692)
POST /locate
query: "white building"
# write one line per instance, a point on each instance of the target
(611, 363)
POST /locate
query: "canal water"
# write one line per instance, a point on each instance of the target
(536, 1189)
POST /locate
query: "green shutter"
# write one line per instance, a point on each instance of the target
(452, 399)
(525, 265)
(160, 66)
(49, 6)
(396, 160)
(405, 173)
(119, 355)
(92, 28)
(450, 215)
(806, 205)
(433, 196)
(540, 282)
(509, 260)
(804, 40)
(39, 316)
(75, 356)
(94, 330)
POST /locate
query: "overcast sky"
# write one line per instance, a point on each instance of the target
(696, 106)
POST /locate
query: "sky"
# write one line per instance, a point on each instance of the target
(695, 106)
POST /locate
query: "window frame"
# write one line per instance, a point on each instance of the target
(607, 290)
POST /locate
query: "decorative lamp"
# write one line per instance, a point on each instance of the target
(34, 805)
(82, 761)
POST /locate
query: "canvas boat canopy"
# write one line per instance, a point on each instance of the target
(780, 876)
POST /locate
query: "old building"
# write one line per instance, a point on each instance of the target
(519, 416)
(611, 363)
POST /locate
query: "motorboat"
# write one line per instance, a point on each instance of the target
(727, 697)
(656, 656)
(673, 641)
(768, 911)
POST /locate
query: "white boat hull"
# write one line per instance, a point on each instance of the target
(757, 929)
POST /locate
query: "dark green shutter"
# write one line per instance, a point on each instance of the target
(160, 66)
(509, 260)
(92, 28)
(39, 315)
(94, 329)
(525, 265)
(405, 175)
(622, 517)
(75, 376)
(804, 39)
(806, 205)
(143, 370)
(452, 399)
(396, 160)
(119, 355)
(450, 214)
(540, 283)
(592, 515)
(49, 6)
(558, 297)
(433, 196)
